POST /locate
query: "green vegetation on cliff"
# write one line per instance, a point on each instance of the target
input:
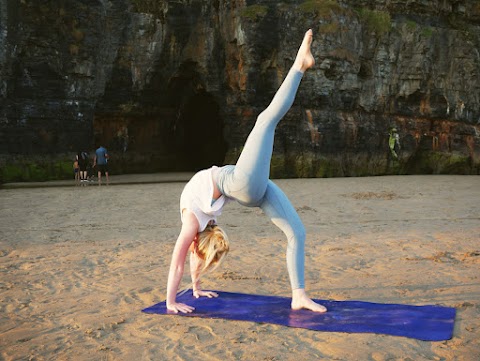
(375, 20)
(323, 8)
(254, 12)
(36, 170)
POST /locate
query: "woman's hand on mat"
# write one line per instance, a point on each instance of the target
(179, 307)
(200, 293)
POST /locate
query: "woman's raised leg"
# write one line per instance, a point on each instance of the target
(252, 170)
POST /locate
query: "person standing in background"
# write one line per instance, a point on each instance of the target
(82, 159)
(76, 170)
(100, 161)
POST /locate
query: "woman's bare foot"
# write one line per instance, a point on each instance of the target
(304, 59)
(301, 300)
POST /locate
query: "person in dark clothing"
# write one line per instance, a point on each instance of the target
(82, 159)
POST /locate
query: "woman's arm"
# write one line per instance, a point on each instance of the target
(195, 267)
(187, 234)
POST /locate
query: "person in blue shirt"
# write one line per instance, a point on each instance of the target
(101, 162)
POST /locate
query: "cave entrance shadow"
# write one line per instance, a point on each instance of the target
(199, 141)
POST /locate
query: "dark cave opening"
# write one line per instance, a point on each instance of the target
(173, 126)
(198, 126)
(199, 138)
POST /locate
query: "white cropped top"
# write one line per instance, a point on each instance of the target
(197, 197)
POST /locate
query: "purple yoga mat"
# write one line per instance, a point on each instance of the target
(428, 323)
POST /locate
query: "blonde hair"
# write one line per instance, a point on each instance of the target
(212, 246)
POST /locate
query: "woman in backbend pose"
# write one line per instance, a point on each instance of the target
(248, 183)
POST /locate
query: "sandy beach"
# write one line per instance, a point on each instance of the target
(78, 264)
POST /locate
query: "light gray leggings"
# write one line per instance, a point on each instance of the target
(248, 181)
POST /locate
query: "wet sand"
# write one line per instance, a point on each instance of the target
(77, 265)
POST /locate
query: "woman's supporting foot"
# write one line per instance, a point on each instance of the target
(300, 300)
(304, 59)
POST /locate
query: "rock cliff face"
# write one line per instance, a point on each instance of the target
(177, 85)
